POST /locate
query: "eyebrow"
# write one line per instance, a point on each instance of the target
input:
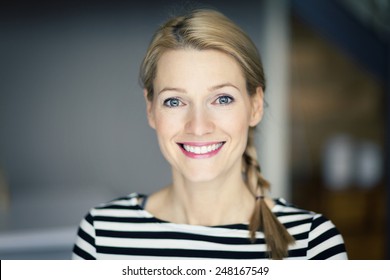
(216, 87)
(222, 86)
(171, 89)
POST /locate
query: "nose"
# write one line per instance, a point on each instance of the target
(199, 122)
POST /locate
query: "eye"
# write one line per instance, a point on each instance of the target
(172, 102)
(224, 100)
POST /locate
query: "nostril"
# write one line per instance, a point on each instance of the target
(199, 124)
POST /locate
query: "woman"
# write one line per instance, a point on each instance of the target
(203, 85)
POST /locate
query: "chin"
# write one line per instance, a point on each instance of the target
(200, 176)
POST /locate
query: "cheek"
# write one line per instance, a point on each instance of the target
(235, 122)
(236, 125)
(167, 125)
(164, 129)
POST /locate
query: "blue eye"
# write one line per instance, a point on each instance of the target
(172, 102)
(224, 100)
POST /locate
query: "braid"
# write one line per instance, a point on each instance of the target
(276, 235)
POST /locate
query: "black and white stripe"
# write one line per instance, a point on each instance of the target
(121, 229)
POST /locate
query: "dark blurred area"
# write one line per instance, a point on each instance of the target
(339, 110)
(73, 131)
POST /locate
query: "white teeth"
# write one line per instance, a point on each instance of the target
(202, 149)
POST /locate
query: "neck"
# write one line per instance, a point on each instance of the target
(224, 200)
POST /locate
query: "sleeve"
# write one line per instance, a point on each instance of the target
(84, 247)
(325, 241)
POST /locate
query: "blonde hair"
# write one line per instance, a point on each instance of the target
(205, 30)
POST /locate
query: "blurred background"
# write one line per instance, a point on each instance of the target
(73, 130)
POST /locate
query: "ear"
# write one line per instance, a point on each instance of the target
(257, 100)
(149, 110)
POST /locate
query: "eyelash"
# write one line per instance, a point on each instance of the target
(167, 102)
(231, 100)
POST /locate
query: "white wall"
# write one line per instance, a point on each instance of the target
(273, 133)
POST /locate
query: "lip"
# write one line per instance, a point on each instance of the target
(200, 144)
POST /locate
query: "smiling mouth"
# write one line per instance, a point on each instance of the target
(201, 149)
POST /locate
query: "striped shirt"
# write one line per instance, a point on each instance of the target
(122, 229)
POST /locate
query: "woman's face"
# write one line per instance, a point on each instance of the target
(201, 112)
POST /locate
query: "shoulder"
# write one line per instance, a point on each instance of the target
(282, 208)
(324, 239)
(296, 220)
(286, 211)
(128, 202)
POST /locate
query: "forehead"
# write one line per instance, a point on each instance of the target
(190, 67)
